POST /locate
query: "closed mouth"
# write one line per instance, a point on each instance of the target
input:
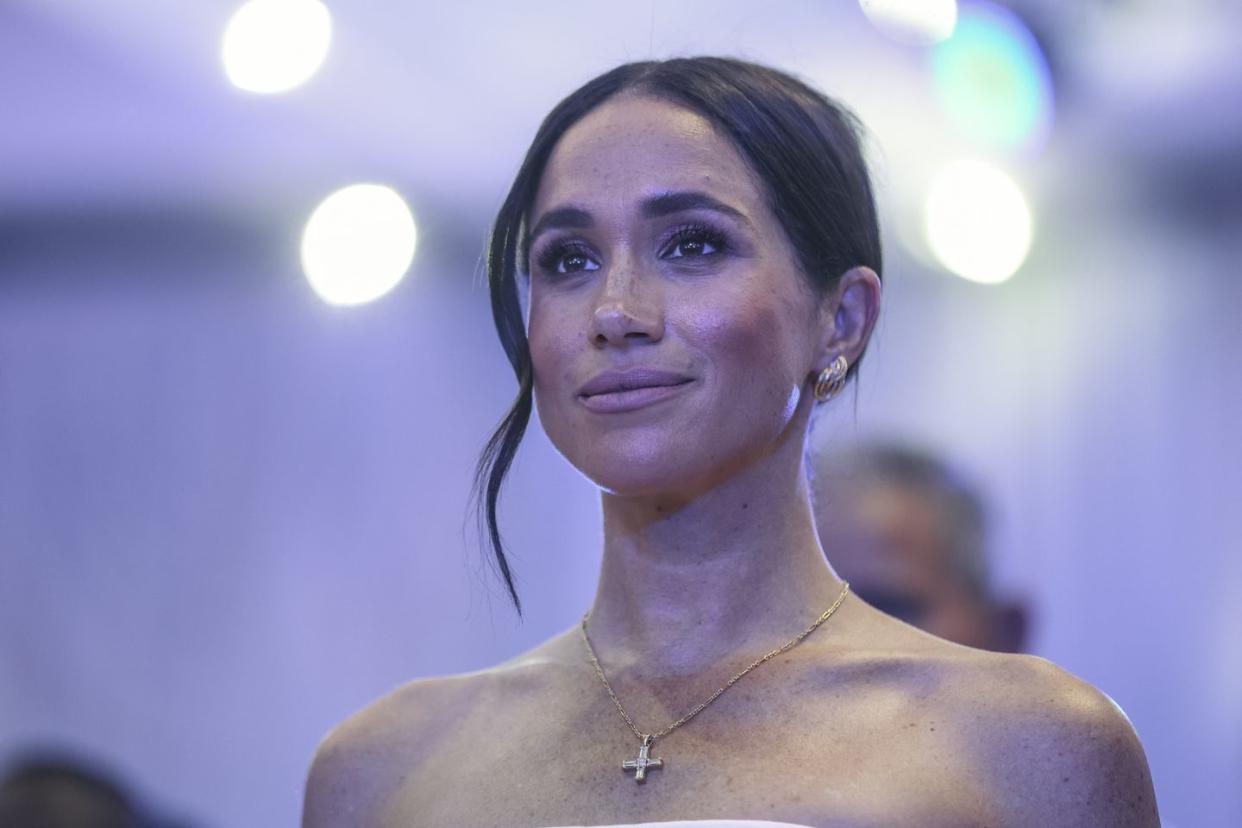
(620, 399)
(622, 389)
(619, 382)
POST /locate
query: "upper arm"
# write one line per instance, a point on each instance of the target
(342, 787)
(1070, 756)
(365, 761)
(1094, 767)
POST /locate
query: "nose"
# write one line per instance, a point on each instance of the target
(628, 308)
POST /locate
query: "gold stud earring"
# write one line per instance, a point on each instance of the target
(831, 379)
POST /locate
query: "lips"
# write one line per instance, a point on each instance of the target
(616, 392)
(613, 382)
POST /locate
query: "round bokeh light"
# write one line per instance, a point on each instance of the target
(358, 244)
(977, 222)
(993, 79)
(914, 21)
(274, 45)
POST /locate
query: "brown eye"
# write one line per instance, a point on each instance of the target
(695, 242)
(566, 258)
(574, 262)
(693, 247)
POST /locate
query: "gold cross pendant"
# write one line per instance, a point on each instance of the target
(642, 763)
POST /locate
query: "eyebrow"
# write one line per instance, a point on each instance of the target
(656, 206)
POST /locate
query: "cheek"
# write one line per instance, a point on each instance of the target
(549, 337)
(749, 343)
(555, 337)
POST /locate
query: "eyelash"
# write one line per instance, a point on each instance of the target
(551, 257)
(700, 233)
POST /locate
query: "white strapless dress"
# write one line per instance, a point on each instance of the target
(697, 823)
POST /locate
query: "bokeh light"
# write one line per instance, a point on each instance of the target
(358, 244)
(917, 21)
(274, 45)
(977, 222)
(993, 79)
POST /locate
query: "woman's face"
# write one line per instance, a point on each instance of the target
(672, 333)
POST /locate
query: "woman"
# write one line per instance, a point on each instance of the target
(697, 244)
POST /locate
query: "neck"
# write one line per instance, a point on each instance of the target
(733, 571)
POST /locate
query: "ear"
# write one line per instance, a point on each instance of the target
(847, 316)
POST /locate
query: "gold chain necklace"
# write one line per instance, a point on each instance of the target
(645, 762)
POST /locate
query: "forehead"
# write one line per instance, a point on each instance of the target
(632, 146)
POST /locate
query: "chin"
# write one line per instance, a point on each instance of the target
(636, 469)
(678, 470)
(675, 456)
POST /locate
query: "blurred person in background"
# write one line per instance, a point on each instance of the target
(53, 790)
(909, 533)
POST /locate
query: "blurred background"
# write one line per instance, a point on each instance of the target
(241, 397)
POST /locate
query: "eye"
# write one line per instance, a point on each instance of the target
(566, 257)
(694, 241)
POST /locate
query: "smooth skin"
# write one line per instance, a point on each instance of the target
(711, 559)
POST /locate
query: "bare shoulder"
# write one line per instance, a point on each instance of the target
(364, 758)
(1051, 748)
(367, 759)
(1038, 745)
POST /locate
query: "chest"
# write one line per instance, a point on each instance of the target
(760, 752)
